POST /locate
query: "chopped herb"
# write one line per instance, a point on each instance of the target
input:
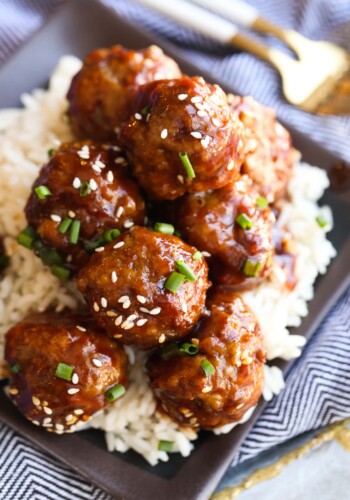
(50, 152)
(186, 271)
(165, 445)
(207, 367)
(189, 349)
(27, 237)
(146, 110)
(174, 281)
(4, 261)
(262, 202)
(244, 221)
(321, 221)
(64, 371)
(197, 256)
(164, 228)
(90, 246)
(169, 350)
(187, 165)
(65, 225)
(74, 234)
(15, 368)
(251, 269)
(49, 256)
(85, 189)
(42, 192)
(60, 272)
(114, 393)
(111, 235)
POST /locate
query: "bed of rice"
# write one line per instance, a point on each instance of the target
(132, 422)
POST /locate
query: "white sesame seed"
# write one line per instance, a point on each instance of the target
(128, 326)
(128, 224)
(164, 133)
(118, 320)
(132, 317)
(196, 135)
(182, 97)
(145, 310)
(113, 148)
(81, 328)
(96, 168)
(204, 143)
(120, 211)
(141, 322)
(206, 254)
(119, 244)
(96, 307)
(126, 304)
(47, 420)
(99, 249)
(93, 184)
(184, 308)
(196, 98)
(162, 338)
(141, 299)
(36, 401)
(111, 314)
(75, 378)
(110, 176)
(35, 422)
(71, 214)
(78, 412)
(116, 130)
(118, 336)
(73, 391)
(180, 179)
(13, 391)
(59, 427)
(69, 258)
(104, 302)
(47, 410)
(138, 116)
(119, 160)
(68, 417)
(56, 218)
(202, 113)
(216, 122)
(97, 362)
(124, 298)
(155, 311)
(231, 165)
(84, 153)
(206, 389)
(114, 277)
(76, 183)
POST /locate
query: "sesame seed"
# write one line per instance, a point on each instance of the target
(104, 302)
(141, 322)
(81, 328)
(117, 336)
(35, 422)
(47, 420)
(44, 403)
(180, 179)
(239, 406)
(124, 298)
(55, 218)
(141, 299)
(119, 160)
(84, 153)
(230, 165)
(114, 277)
(216, 122)
(59, 427)
(118, 320)
(206, 389)
(138, 116)
(75, 378)
(69, 258)
(71, 214)
(36, 401)
(13, 391)
(96, 168)
(132, 317)
(184, 308)
(145, 310)
(98, 164)
(189, 414)
(128, 224)
(195, 341)
(126, 304)
(47, 410)
(182, 97)
(93, 184)
(73, 391)
(110, 176)
(127, 325)
(196, 135)
(204, 143)
(202, 113)
(58, 432)
(96, 307)
(78, 412)
(184, 410)
(193, 420)
(99, 249)
(206, 254)
(116, 130)
(119, 244)
(164, 133)
(196, 98)
(155, 311)
(111, 314)
(162, 338)
(76, 183)
(97, 362)
(120, 211)
(68, 417)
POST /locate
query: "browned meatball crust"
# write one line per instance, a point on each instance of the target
(268, 155)
(188, 116)
(33, 350)
(88, 183)
(124, 288)
(210, 221)
(229, 339)
(101, 92)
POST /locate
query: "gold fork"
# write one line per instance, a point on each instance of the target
(317, 82)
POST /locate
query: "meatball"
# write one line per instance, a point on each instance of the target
(180, 122)
(88, 185)
(230, 225)
(268, 155)
(100, 94)
(63, 369)
(219, 384)
(128, 288)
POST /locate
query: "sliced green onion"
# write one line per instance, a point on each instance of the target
(111, 235)
(61, 272)
(251, 269)
(189, 349)
(197, 256)
(169, 350)
(165, 445)
(74, 233)
(262, 202)
(90, 246)
(15, 368)
(42, 192)
(64, 371)
(244, 221)
(27, 237)
(207, 367)
(186, 271)
(4, 260)
(146, 110)
(85, 189)
(174, 281)
(114, 393)
(321, 221)
(50, 152)
(65, 225)
(187, 165)
(164, 228)
(177, 233)
(49, 256)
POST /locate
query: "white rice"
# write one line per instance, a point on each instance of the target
(132, 422)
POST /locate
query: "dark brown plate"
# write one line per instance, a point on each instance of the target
(76, 28)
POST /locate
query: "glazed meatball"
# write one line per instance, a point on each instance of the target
(63, 369)
(268, 155)
(100, 94)
(128, 288)
(229, 225)
(88, 185)
(224, 379)
(180, 122)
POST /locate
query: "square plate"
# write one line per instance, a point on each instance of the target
(78, 27)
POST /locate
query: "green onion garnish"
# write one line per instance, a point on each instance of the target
(85, 189)
(164, 228)
(187, 165)
(177, 233)
(15, 368)
(262, 202)
(244, 221)
(4, 261)
(49, 256)
(50, 152)
(189, 349)
(321, 221)
(111, 235)
(114, 392)
(42, 192)
(251, 269)
(197, 256)
(169, 350)
(64, 371)
(174, 281)
(186, 271)
(61, 272)
(27, 237)
(74, 233)
(146, 110)
(207, 367)
(165, 445)
(65, 225)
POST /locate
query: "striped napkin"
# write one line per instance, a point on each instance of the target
(317, 392)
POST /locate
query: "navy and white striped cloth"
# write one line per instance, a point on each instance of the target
(318, 386)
